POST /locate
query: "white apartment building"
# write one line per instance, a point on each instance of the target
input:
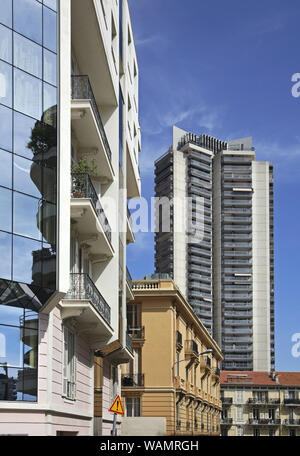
(69, 145)
(227, 274)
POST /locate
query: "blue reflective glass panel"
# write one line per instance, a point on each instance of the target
(5, 209)
(51, 4)
(5, 169)
(5, 44)
(10, 315)
(6, 12)
(5, 254)
(27, 55)
(23, 128)
(5, 83)
(27, 216)
(28, 94)
(28, 19)
(5, 128)
(27, 176)
(24, 266)
(49, 38)
(50, 68)
(13, 352)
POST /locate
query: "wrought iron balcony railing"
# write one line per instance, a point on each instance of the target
(133, 380)
(264, 421)
(226, 420)
(291, 422)
(291, 401)
(137, 333)
(83, 288)
(82, 90)
(82, 187)
(226, 400)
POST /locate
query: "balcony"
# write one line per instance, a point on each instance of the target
(226, 421)
(87, 211)
(98, 61)
(133, 380)
(216, 373)
(205, 364)
(266, 401)
(291, 401)
(291, 422)
(88, 127)
(191, 348)
(264, 421)
(226, 400)
(137, 334)
(87, 306)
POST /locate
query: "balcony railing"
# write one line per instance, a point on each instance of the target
(133, 380)
(291, 401)
(82, 187)
(191, 347)
(291, 422)
(257, 401)
(82, 90)
(226, 400)
(226, 420)
(137, 333)
(264, 421)
(83, 288)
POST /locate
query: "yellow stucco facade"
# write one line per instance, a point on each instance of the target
(260, 403)
(169, 377)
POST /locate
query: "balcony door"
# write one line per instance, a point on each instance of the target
(133, 319)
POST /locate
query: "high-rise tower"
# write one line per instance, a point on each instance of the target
(228, 273)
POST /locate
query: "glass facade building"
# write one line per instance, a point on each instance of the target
(28, 181)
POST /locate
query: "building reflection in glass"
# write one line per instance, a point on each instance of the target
(28, 183)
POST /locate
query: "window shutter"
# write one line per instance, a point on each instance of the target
(73, 368)
(65, 362)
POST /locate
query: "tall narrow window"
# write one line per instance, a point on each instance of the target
(69, 364)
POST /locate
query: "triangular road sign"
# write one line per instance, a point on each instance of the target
(117, 406)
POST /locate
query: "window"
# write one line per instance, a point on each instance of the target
(18, 354)
(27, 55)
(5, 44)
(69, 364)
(28, 19)
(133, 406)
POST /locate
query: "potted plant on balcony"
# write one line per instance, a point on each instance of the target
(79, 171)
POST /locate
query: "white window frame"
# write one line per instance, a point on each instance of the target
(69, 364)
(133, 406)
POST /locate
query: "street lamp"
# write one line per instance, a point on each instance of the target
(206, 352)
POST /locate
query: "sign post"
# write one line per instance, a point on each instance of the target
(116, 409)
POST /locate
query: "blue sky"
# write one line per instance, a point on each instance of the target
(225, 68)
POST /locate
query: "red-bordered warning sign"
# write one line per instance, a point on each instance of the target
(117, 406)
